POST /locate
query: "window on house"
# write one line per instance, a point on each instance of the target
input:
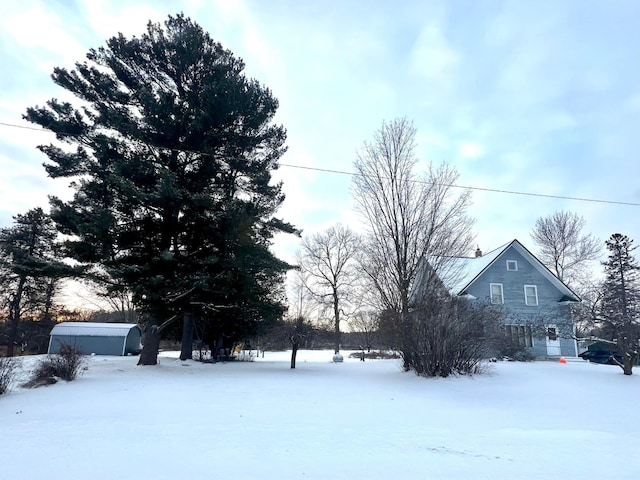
(531, 295)
(512, 265)
(496, 293)
(519, 335)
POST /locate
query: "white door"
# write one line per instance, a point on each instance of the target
(553, 341)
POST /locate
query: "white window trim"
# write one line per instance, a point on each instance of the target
(514, 263)
(491, 285)
(526, 297)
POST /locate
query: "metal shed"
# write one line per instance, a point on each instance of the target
(98, 338)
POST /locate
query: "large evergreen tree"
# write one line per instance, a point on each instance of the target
(29, 271)
(171, 149)
(620, 305)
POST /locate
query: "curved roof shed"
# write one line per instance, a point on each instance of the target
(98, 338)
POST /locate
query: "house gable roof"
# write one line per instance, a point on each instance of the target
(472, 269)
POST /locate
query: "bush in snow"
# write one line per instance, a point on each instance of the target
(510, 348)
(7, 374)
(448, 336)
(65, 365)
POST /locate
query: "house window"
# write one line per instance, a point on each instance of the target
(496, 293)
(531, 295)
(512, 265)
(519, 335)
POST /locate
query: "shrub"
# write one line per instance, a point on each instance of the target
(447, 336)
(523, 356)
(505, 347)
(7, 374)
(376, 355)
(65, 365)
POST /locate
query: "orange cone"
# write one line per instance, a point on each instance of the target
(562, 360)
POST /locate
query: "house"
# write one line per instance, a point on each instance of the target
(98, 338)
(537, 304)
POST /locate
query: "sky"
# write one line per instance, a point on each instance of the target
(541, 98)
(323, 420)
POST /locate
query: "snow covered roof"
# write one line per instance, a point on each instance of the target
(89, 329)
(471, 268)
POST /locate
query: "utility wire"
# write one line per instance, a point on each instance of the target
(483, 189)
(25, 127)
(353, 174)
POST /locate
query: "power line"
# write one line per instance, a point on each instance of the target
(493, 190)
(25, 127)
(353, 174)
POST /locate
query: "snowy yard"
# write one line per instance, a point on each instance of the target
(356, 421)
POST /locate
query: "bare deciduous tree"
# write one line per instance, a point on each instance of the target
(301, 301)
(367, 323)
(411, 220)
(564, 249)
(416, 226)
(328, 260)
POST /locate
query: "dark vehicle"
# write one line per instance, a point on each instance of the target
(605, 357)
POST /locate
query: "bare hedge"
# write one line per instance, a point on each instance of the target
(65, 365)
(7, 374)
(448, 336)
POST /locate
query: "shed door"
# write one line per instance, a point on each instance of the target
(553, 341)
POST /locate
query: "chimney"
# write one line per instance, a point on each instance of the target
(478, 252)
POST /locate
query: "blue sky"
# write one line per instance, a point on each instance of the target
(540, 97)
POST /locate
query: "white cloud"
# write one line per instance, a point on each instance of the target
(470, 150)
(108, 18)
(48, 41)
(433, 58)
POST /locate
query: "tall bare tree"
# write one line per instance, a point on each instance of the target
(329, 261)
(412, 220)
(416, 226)
(564, 249)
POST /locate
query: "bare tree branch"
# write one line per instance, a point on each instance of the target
(328, 262)
(563, 247)
(408, 222)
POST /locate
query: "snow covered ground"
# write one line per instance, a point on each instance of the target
(355, 420)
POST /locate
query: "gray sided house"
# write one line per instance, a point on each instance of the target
(98, 338)
(536, 304)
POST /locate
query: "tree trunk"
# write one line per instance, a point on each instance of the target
(294, 353)
(628, 360)
(336, 315)
(216, 350)
(186, 351)
(150, 347)
(407, 341)
(14, 316)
